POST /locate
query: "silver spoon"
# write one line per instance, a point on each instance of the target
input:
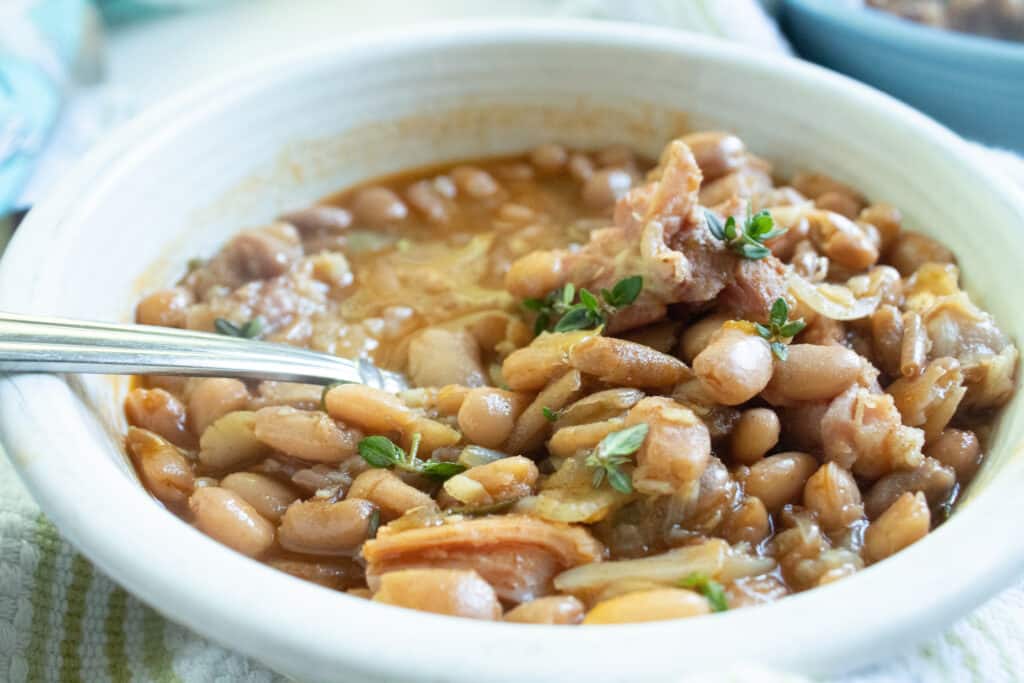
(35, 344)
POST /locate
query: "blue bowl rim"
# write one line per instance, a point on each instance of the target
(912, 34)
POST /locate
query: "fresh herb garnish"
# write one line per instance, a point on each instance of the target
(712, 590)
(562, 308)
(382, 452)
(248, 330)
(749, 240)
(611, 453)
(549, 415)
(780, 328)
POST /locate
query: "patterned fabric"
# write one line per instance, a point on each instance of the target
(61, 620)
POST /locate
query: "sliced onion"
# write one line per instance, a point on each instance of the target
(832, 301)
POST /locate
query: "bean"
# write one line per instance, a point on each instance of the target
(554, 609)
(373, 410)
(319, 219)
(388, 492)
(450, 398)
(488, 415)
(847, 244)
(231, 441)
(305, 434)
(226, 517)
(814, 185)
(717, 153)
(661, 336)
(888, 220)
(454, 592)
(515, 171)
(164, 471)
(549, 158)
(616, 155)
(166, 308)
(496, 482)
(580, 166)
(887, 338)
(755, 433)
(677, 448)
(475, 182)
(735, 366)
(748, 180)
(159, 411)
(535, 275)
(958, 449)
(376, 205)
(339, 574)
(320, 527)
(438, 357)
(649, 605)
(532, 425)
(779, 479)
(570, 440)
(598, 406)
(625, 363)
(749, 523)
(266, 495)
(911, 250)
(813, 373)
(832, 494)
(602, 189)
(837, 202)
(212, 399)
(428, 201)
(547, 357)
(905, 521)
(697, 336)
(931, 478)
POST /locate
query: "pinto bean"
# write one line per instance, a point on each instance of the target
(887, 338)
(554, 609)
(266, 495)
(911, 250)
(735, 366)
(958, 449)
(378, 205)
(905, 521)
(212, 399)
(425, 198)
(813, 373)
(602, 189)
(677, 448)
(756, 433)
(717, 153)
(488, 415)
(625, 363)
(888, 220)
(846, 243)
(536, 274)
(166, 308)
(225, 516)
(388, 492)
(842, 204)
(438, 357)
(696, 337)
(305, 434)
(832, 494)
(549, 158)
(454, 592)
(779, 479)
(159, 411)
(320, 527)
(749, 523)
(475, 182)
(319, 219)
(164, 471)
(931, 478)
(648, 605)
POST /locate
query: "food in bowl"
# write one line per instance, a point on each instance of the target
(643, 390)
(995, 18)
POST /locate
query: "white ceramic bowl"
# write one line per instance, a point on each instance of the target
(180, 179)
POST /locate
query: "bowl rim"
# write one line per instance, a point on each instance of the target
(283, 627)
(911, 36)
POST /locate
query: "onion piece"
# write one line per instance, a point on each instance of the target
(832, 301)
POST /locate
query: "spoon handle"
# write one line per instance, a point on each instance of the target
(36, 344)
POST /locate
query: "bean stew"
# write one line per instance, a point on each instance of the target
(644, 390)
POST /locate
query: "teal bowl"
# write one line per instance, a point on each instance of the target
(973, 84)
